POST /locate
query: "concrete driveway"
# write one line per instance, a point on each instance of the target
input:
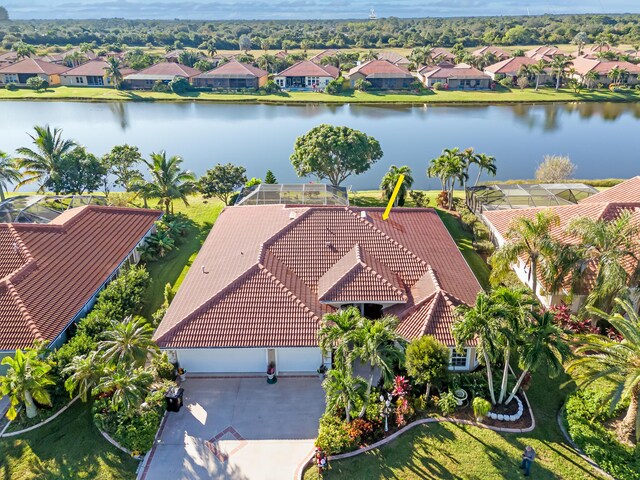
(239, 428)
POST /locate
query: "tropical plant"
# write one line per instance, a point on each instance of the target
(158, 245)
(40, 163)
(221, 181)
(538, 69)
(333, 334)
(527, 239)
(591, 78)
(343, 390)
(168, 181)
(481, 407)
(390, 180)
(447, 403)
(26, 380)
(24, 50)
(128, 343)
(580, 39)
(113, 71)
(126, 387)
(427, 361)
(37, 83)
(559, 66)
(83, 375)
(421, 56)
(617, 74)
(188, 58)
(9, 173)
(449, 167)
(617, 361)
(369, 55)
(485, 163)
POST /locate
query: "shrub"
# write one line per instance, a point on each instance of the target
(333, 435)
(473, 382)
(419, 198)
(160, 87)
(363, 85)
(404, 411)
(481, 407)
(437, 86)
(163, 367)
(468, 219)
(37, 83)
(506, 82)
(80, 344)
(480, 231)
(12, 87)
(253, 181)
(124, 295)
(484, 246)
(335, 86)
(96, 322)
(271, 87)
(179, 85)
(447, 403)
(523, 82)
(416, 86)
(360, 430)
(555, 168)
(443, 199)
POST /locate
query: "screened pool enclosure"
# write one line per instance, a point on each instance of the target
(42, 208)
(293, 194)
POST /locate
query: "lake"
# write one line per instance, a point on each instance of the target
(601, 138)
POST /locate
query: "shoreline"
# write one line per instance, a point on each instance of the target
(442, 98)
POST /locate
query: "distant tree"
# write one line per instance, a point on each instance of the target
(390, 180)
(168, 181)
(422, 56)
(555, 169)
(9, 173)
(24, 50)
(121, 162)
(244, 43)
(4, 15)
(580, 39)
(76, 172)
(518, 53)
(270, 178)
(427, 361)
(559, 66)
(222, 181)
(37, 83)
(188, 58)
(113, 71)
(203, 65)
(334, 153)
(211, 48)
(265, 44)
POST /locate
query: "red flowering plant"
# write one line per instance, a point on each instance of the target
(359, 430)
(570, 323)
(401, 386)
(403, 410)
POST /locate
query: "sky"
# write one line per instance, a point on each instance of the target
(302, 9)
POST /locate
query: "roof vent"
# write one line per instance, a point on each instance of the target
(293, 215)
(363, 215)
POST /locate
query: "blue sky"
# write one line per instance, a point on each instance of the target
(306, 9)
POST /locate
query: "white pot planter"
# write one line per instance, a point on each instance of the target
(461, 396)
(182, 377)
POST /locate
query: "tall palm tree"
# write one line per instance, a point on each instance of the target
(591, 78)
(449, 168)
(559, 66)
(168, 181)
(609, 245)
(24, 50)
(75, 58)
(422, 56)
(40, 163)
(211, 48)
(539, 69)
(529, 239)
(370, 55)
(9, 173)
(84, 373)
(128, 342)
(343, 390)
(479, 323)
(188, 58)
(390, 180)
(113, 72)
(127, 388)
(267, 62)
(26, 380)
(617, 361)
(332, 336)
(485, 163)
(617, 74)
(542, 345)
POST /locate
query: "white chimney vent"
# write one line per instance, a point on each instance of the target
(363, 215)
(292, 215)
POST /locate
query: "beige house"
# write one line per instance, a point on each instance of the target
(497, 52)
(90, 74)
(160, 72)
(306, 75)
(455, 77)
(584, 65)
(232, 75)
(20, 72)
(512, 67)
(382, 74)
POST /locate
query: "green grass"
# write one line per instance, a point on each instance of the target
(501, 95)
(70, 447)
(448, 451)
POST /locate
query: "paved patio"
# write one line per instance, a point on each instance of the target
(239, 428)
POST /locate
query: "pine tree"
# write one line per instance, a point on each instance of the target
(270, 178)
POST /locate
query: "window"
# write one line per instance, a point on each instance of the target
(79, 79)
(459, 360)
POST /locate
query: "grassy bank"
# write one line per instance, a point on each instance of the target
(502, 95)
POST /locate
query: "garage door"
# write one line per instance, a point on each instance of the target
(223, 360)
(299, 359)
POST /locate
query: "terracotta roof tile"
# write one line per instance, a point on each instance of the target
(381, 68)
(625, 192)
(34, 66)
(234, 68)
(94, 68)
(166, 69)
(461, 70)
(306, 68)
(511, 66)
(497, 51)
(393, 57)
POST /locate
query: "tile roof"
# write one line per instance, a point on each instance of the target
(48, 272)
(440, 53)
(8, 57)
(34, 66)
(60, 57)
(511, 66)
(233, 68)
(330, 52)
(381, 68)
(583, 65)
(546, 51)
(266, 274)
(94, 68)
(165, 69)
(626, 192)
(393, 57)
(461, 70)
(306, 68)
(498, 52)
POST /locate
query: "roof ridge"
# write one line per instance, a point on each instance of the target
(289, 292)
(269, 241)
(402, 293)
(31, 324)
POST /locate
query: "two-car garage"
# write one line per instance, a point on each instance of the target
(249, 360)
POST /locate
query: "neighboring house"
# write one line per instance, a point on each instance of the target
(163, 72)
(546, 52)
(267, 274)
(330, 52)
(584, 65)
(497, 52)
(51, 274)
(511, 67)
(394, 58)
(306, 75)
(27, 68)
(90, 74)
(593, 51)
(174, 55)
(607, 205)
(455, 77)
(232, 75)
(382, 74)
(8, 58)
(62, 57)
(440, 54)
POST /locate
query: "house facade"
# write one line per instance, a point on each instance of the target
(20, 72)
(382, 74)
(602, 69)
(160, 72)
(267, 274)
(455, 77)
(512, 68)
(90, 74)
(306, 76)
(232, 75)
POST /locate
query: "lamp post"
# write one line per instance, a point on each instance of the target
(386, 410)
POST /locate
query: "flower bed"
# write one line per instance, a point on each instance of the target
(59, 400)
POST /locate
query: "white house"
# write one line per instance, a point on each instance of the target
(306, 75)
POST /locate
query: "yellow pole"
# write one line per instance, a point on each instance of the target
(385, 215)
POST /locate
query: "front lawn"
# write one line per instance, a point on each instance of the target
(70, 447)
(445, 450)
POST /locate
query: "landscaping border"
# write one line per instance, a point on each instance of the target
(113, 442)
(38, 425)
(143, 467)
(423, 421)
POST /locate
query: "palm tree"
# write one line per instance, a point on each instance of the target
(128, 342)
(448, 167)
(113, 72)
(617, 361)
(370, 55)
(609, 245)
(529, 239)
(211, 48)
(479, 323)
(591, 77)
(9, 173)
(485, 163)
(421, 56)
(40, 163)
(617, 74)
(188, 58)
(390, 180)
(24, 50)
(267, 62)
(542, 345)
(168, 181)
(539, 69)
(332, 336)
(26, 380)
(127, 388)
(74, 59)
(343, 390)
(84, 373)
(559, 65)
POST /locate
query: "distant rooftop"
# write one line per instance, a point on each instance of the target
(293, 194)
(42, 208)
